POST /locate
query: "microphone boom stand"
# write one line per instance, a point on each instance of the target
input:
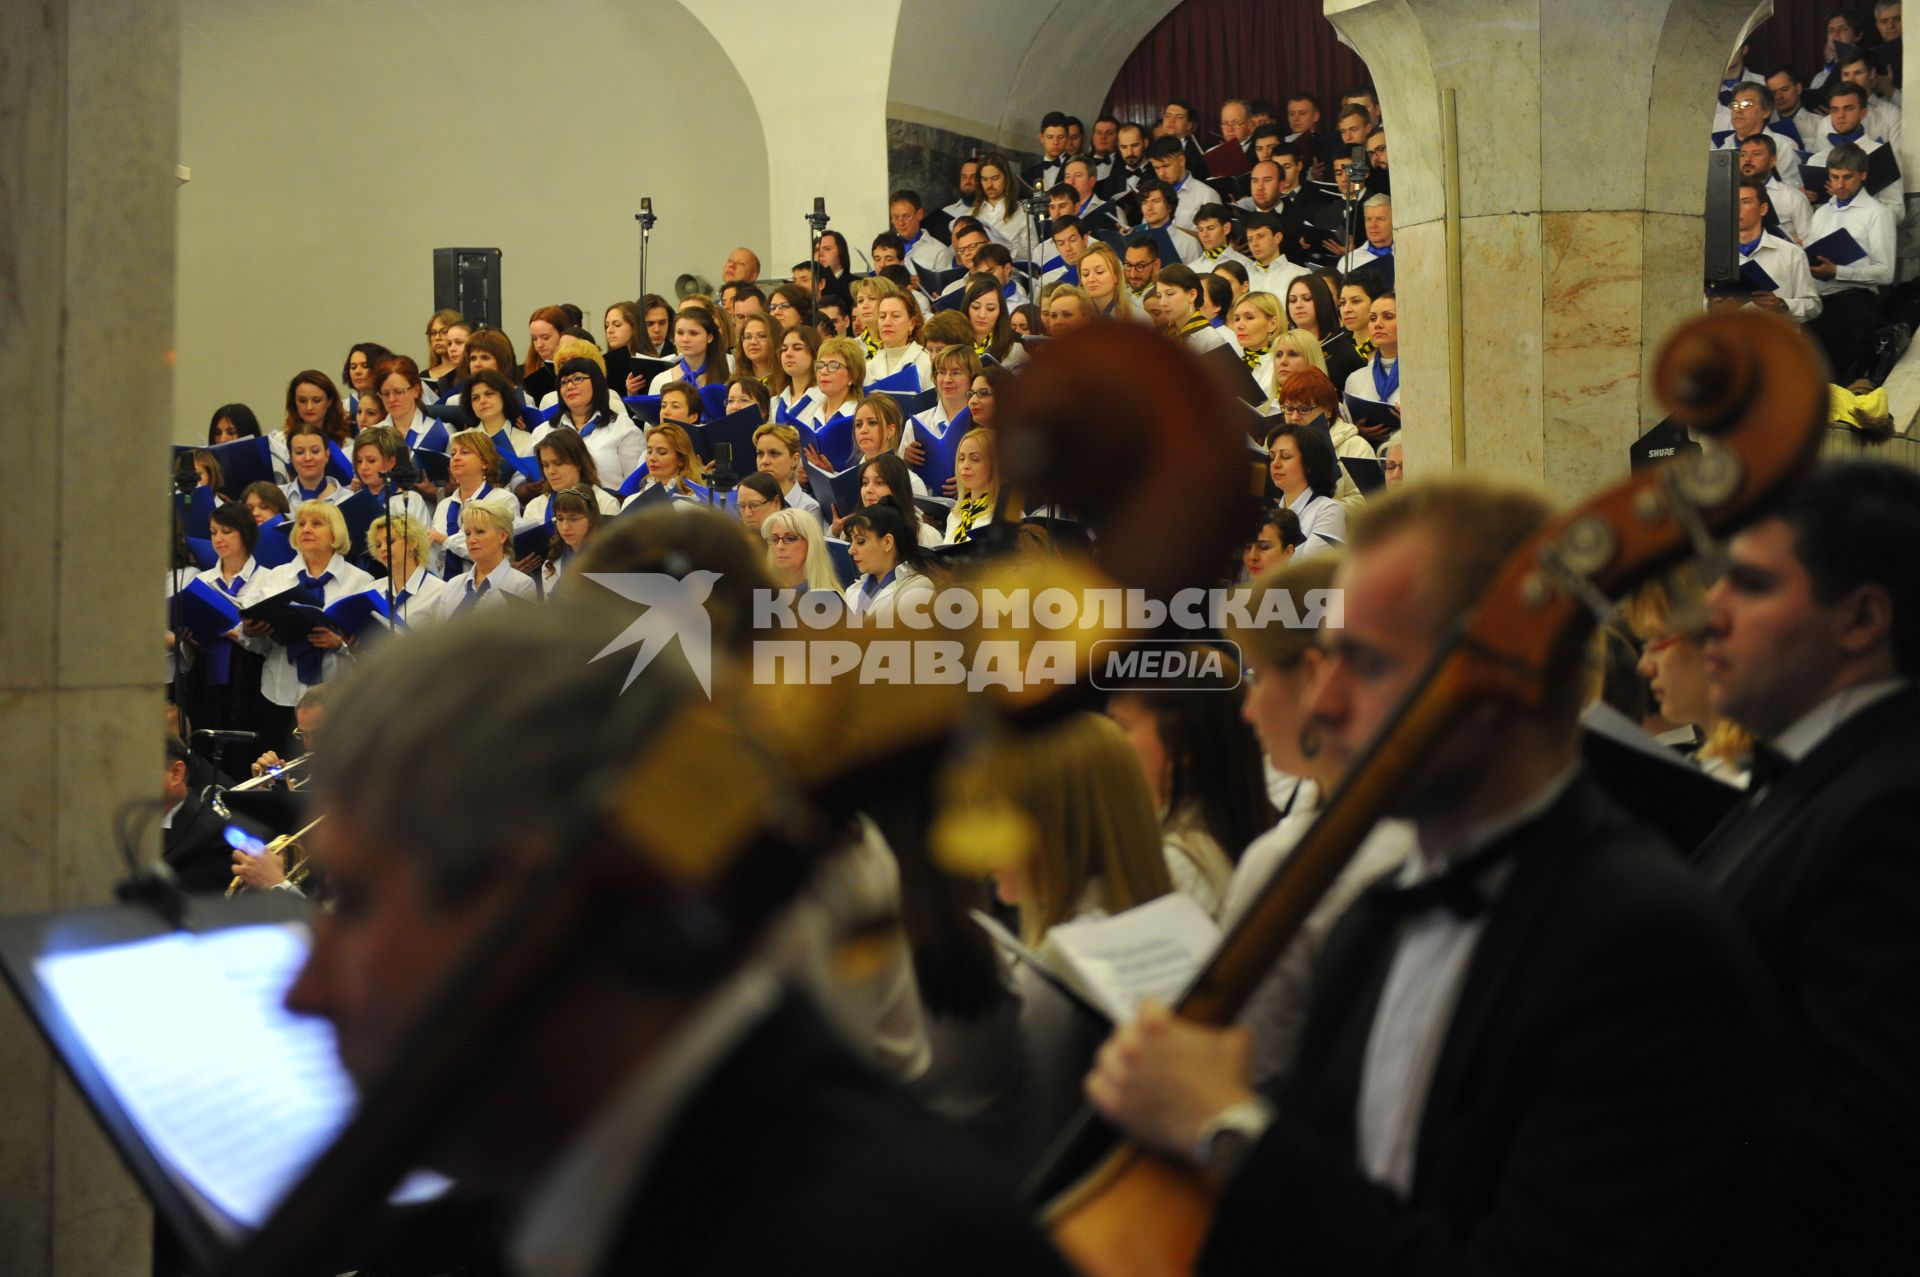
(646, 219)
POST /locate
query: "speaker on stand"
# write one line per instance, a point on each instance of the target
(468, 280)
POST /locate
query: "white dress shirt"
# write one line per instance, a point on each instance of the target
(1190, 196)
(1790, 206)
(503, 580)
(925, 251)
(1867, 220)
(1892, 196)
(1785, 162)
(447, 517)
(1786, 262)
(617, 448)
(417, 602)
(1323, 522)
(879, 608)
(280, 677)
(1417, 1002)
(889, 360)
(1273, 277)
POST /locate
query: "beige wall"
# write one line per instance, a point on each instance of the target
(333, 145)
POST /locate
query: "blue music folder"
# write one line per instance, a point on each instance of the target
(938, 467)
(198, 516)
(1371, 412)
(1839, 248)
(1757, 278)
(272, 549)
(842, 556)
(839, 491)
(205, 611)
(904, 382)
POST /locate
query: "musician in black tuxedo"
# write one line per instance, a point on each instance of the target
(193, 836)
(1540, 1048)
(1813, 644)
(672, 1104)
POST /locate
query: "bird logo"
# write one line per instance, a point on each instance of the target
(676, 608)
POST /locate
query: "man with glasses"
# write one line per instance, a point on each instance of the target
(1750, 114)
(907, 216)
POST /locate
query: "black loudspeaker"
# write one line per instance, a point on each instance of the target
(468, 280)
(1723, 218)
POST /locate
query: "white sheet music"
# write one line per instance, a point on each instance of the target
(1150, 951)
(232, 1093)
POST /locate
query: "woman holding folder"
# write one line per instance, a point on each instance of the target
(954, 369)
(776, 452)
(319, 576)
(1379, 381)
(224, 687)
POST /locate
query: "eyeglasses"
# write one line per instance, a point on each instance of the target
(977, 393)
(576, 379)
(829, 365)
(1298, 409)
(777, 306)
(754, 507)
(436, 332)
(785, 538)
(396, 394)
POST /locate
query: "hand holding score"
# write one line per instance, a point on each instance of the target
(1163, 1078)
(1823, 269)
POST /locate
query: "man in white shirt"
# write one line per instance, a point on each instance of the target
(1079, 174)
(1790, 110)
(1850, 296)
(1783, 261)
(1156, 214)
(906, 213)
(1269, 270)
(1749, 112)
(1883, 114)
(1213, 228)
(1377, 216)
(1169, 162)
(1070, 245)
(1789, 203)
(1846, 125)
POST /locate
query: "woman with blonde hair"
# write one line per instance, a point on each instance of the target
(797, 552)
(1669, 617)
(1104, 280)
(399, 543)
(672, 464)
(839, 370)
(472, 461)
(1257, 321)
(487, 523)
(1093, 849)
(777, 452)
(867, 294)
(977, 486)
(1293, 351)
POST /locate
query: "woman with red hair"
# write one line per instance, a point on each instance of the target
(1309, 397)
(545, 327)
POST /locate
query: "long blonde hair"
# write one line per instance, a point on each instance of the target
(1667, 603)
(819, 567)
(1082, 787)
(1122, 295)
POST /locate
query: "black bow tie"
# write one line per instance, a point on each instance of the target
(1457, 888)
(1766, 767)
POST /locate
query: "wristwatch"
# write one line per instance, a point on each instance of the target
(1230, 1135)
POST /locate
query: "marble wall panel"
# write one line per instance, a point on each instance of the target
(1590, 345)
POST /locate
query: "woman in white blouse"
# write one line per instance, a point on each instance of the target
(897, 323)
(975, 472)
(319, 567)
(488, 524)
(616, 443)
(703, 355)
(1304, 469)
(308, 452)
(891, 562)
(226, 675)
(400, 544)
(876, 432)
(776, 451)
(673, 464)
(471, 460)
(792, 385)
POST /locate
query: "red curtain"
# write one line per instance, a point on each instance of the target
(1208, 50)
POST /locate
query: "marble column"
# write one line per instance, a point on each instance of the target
(1582, 143)
(89, 106)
